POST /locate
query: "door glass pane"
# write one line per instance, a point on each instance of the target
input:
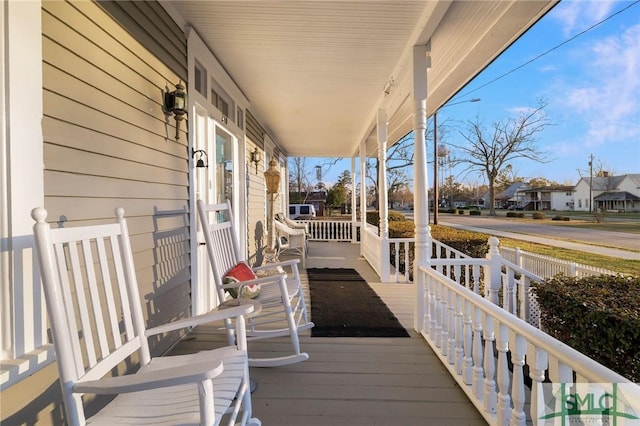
(224, 166)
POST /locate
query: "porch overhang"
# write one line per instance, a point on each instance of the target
(316, 72)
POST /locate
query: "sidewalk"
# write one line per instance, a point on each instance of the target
(550, 241)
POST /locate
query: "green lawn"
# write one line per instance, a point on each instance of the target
(630, 267)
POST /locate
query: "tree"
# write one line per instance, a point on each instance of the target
(506, 177)
(399, 157)
(337, 195)
(513, 138)
(300, 181)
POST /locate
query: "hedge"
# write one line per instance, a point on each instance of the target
(473, 244)
(598, 316)
(538, 215)
(373, 217)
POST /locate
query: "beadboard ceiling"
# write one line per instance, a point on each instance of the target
(316, 72)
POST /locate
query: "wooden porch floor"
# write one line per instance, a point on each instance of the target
(353, 381)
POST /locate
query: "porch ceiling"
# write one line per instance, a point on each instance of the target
(315, 72)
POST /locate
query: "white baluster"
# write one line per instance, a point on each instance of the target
(518, 350)
(476, 279)
(433, 310)
(478, 372)
(489, 396)
(451, 342)
(507, 296)
(426, 319)
(442, 330)
(504, 399)
(467, 363)
(538, 361)
(459, 341)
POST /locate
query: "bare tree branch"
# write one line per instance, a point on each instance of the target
(508, 140)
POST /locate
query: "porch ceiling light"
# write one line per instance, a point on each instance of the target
(272, 177)
(256, 157)
(176, 103)
(202, 158)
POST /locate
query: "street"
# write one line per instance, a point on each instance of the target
(607, 243)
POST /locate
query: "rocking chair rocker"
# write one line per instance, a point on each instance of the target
(284, 311)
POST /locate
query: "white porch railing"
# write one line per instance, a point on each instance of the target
(330, 230)
(475, 339)
(375, 251)
(547, 267)
(24, 342)
(502, 282)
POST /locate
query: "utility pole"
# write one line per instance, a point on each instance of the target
(590, 183)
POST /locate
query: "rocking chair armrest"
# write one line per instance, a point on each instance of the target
(291, 262)
(212, 316)
(153, 379)
(256, 281)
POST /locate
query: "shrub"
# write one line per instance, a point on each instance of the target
(473, 244)
(520, 215)
(475, 212)
(598, 316)
(460, 211)
(538, 215)
(558, 217)
(373, 217)
(401, 229)
(511, 214)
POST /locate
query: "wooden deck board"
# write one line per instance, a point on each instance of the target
(353, 380)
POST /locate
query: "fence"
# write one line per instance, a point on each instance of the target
(547, 267)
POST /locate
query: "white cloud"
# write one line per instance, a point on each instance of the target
(576, 16)
(606, 96)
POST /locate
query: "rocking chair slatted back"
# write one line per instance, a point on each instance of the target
(222, 243)
(99, 332)
(84, 272)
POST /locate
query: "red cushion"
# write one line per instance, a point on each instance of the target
(240, 272)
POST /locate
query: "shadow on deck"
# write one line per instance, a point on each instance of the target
(353, 381)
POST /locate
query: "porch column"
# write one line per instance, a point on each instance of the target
(22, 315)
(363, 194)
(383, 204)
(354, 199)
(420, 200)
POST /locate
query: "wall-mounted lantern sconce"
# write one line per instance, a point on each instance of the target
(256, 157)
(272, 177)
(203, 159)
(176, 103)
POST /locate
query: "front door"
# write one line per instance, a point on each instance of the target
(215, 183)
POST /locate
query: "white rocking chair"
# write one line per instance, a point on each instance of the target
(293, 240)
(98, 328)
(284, 311)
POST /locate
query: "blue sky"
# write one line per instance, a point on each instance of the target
(591, 85)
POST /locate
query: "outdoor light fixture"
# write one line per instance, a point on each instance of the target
(272, 177)
(256, 157)
(176, 103)
(200, 163)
